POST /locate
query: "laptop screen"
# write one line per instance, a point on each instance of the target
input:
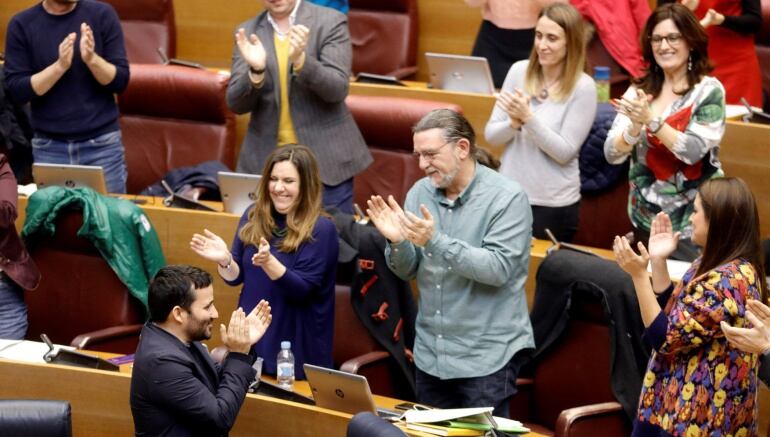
(70, 176)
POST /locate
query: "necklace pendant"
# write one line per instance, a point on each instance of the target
(543, 94)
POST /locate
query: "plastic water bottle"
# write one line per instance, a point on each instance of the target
(602, 79)
(285, 361)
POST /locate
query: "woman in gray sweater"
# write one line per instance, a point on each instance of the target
(543, 115)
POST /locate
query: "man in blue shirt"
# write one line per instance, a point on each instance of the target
(464, 233)
(68, 59)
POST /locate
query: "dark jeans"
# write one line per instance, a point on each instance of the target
(502, 47)
(339, 196)
(494, 390)
(562, 221)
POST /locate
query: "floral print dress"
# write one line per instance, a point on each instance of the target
(696, 384)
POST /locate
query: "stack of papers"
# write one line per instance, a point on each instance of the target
(27, 351)
(460, 422)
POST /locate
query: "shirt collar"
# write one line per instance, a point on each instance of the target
(463, 197)
(292, 19)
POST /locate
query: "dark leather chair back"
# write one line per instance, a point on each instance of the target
(351, 339)
(147, 26)
(79, 292)
(582, 350)
(355, 350)
(384, 36)
(386, 124)
(39, 418)
(171, 117)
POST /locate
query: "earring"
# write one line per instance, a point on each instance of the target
(689, 63)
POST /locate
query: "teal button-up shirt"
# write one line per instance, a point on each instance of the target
(473, 313)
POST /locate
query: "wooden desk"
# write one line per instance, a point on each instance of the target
(100, 403)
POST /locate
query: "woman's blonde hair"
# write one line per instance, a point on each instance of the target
(569, 19)
(301, 219)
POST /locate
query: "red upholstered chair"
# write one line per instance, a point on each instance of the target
(569, 394)
(384, 36)
(386, 124)
(355, 350)
(80, 300)
(147, 26)
(171, 117)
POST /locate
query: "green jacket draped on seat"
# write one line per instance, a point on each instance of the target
(117, 228)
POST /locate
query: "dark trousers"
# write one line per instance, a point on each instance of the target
(339, 196)
(494, 390)
(562, 221)
(502, 47)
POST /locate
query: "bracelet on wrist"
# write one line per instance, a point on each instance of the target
(229, 263)
(631, 139)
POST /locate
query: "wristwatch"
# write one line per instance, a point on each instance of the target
(654, 125)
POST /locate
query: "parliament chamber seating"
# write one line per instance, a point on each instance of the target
(147, 26)
(384, 36)
(763, 51)
(355, 350)
(80, 300)
(569, 392)
(35, 417)
(174, 116)
(386, 124)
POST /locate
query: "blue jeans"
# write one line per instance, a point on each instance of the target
(13, 310)
(339, 196)
(106, 151)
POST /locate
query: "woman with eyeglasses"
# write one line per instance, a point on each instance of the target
(731, 26)
(697, 383)
(543, 115)
(670, 122)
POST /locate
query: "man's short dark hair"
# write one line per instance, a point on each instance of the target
(172, 286)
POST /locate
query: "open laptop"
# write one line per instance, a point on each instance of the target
(70, 176)
(342, 391)
(239, 190)
(468, 74)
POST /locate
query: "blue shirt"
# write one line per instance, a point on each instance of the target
(473, 313)
(302, 300)
(340, 5)
(77, 107)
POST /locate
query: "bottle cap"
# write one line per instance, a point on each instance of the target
(601, 73)
(285, 344)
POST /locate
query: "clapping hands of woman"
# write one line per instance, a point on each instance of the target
(516, 105)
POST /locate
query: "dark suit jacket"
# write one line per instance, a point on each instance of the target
(172, 395)
(316, 97)
(14, 259)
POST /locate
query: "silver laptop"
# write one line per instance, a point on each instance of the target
(70, 176)
(342, 391)
(239, 190)
(468, 74)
